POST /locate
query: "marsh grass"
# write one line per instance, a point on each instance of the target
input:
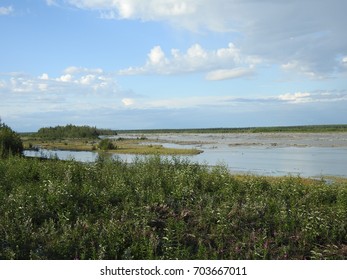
(123, 146)
(167, 208)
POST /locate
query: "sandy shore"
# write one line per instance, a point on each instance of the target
(256, 139)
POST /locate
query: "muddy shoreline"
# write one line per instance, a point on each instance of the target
(277, 139)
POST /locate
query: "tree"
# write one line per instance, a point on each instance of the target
(106, 144)
(73, 131)
(10, 142)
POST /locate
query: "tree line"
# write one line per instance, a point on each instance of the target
(72, 131)
(272, 129)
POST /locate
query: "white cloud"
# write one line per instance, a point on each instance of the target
(42, 87)
(87, 80)
(4, 11)
(197, 59)
(177, 103)
(213, 101)
(301, 67)
(44, 76)
(344, 62)
(156, 56)
(65, 78)
(128, 101)
(297, 97)
(74, 80)
(196, 51)
(137, 9)
(24, 94)
(224, 74)
(312, 97)
(310, 33)
(78, 70)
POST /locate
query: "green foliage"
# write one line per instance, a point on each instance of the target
(167, 208)
(10, 142)
(106, 144)
(72, 131)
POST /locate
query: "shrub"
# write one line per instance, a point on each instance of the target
(106, 144)
(10, 142)
(162, 208)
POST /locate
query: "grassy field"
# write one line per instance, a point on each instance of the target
(161, 208)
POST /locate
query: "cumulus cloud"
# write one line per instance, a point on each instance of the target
(44, 76)
(156, 56)
(73, 79)
(4, 11)
(197, 59)
(65, 78)
(75, 86)
(307, 35)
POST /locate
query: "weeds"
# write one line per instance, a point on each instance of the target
(167, 208)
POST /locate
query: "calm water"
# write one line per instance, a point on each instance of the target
(276, 161)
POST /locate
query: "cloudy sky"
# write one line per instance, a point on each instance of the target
(135, 64)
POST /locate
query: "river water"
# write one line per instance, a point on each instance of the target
(306, 155)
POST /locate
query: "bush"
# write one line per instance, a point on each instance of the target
(158, 208)
(10, 142)
(106, 144)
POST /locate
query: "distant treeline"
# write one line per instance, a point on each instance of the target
(306, 128)
(72, 131)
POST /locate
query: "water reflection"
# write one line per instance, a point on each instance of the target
(306, 162)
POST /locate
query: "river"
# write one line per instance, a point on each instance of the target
(298, 154)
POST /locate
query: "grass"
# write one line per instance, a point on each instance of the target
(165, 208)
(123, 146)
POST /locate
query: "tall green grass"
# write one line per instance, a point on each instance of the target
(159, 208)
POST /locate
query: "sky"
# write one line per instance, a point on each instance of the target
(135, 64)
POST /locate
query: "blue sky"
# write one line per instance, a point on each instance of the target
(134, 64)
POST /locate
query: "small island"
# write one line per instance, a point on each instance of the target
(86, 138)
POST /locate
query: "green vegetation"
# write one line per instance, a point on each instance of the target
(10, 142)
(155, 150)
(72, 131)
(306, 128)
(107, 144)
(165, 209)
(85, 138)
(120, 146)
